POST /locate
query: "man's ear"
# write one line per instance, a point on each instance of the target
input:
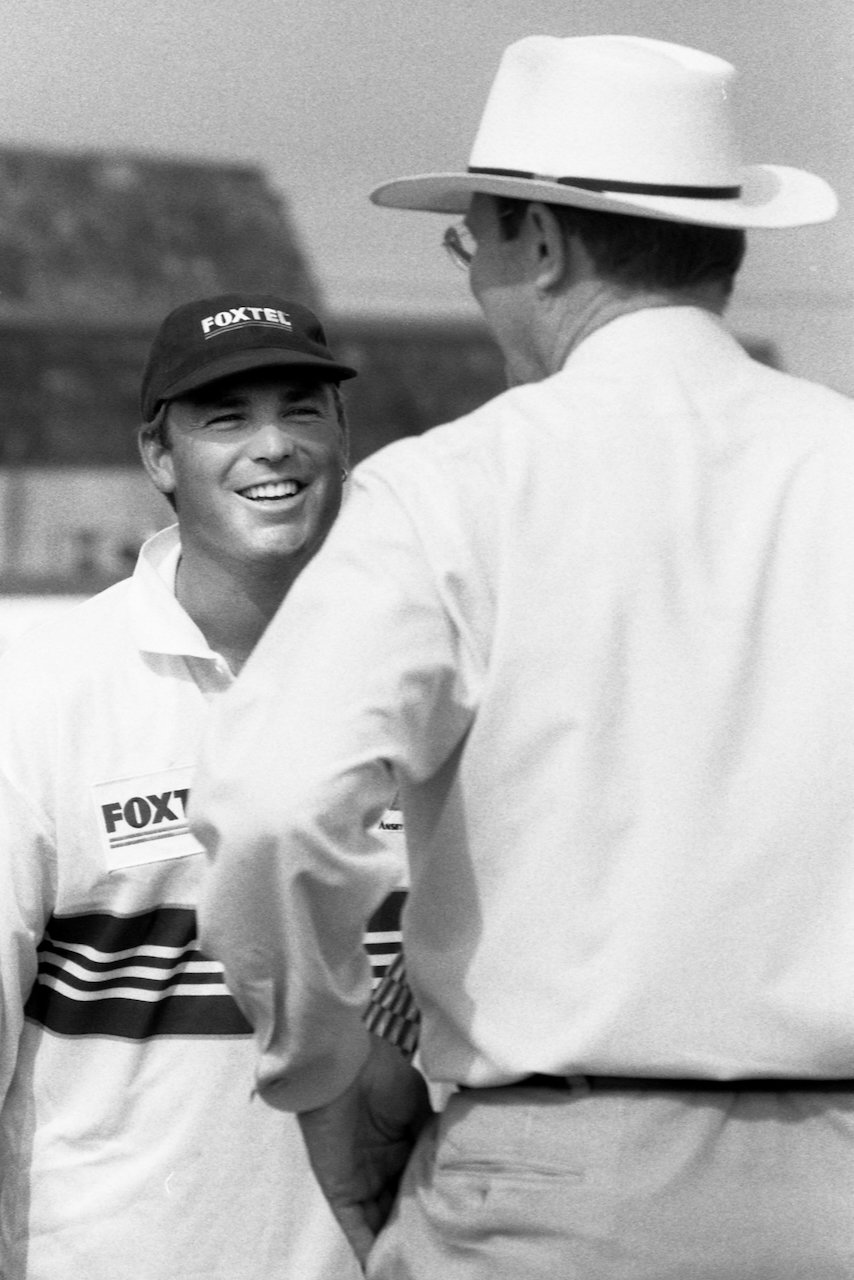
(550, 247)
(157, 459)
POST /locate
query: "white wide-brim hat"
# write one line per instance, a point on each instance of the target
(623, 125)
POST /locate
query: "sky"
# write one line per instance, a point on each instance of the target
(334, 96)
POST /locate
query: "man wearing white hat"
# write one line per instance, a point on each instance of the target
(600, 634)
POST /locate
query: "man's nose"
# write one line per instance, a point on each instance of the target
(271, 440)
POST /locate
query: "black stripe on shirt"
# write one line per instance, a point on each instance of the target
(144, 1004)
(160, 927)
(383, 938)
(98, 997)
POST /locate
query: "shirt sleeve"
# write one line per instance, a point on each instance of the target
(27, 882)
(362, 681)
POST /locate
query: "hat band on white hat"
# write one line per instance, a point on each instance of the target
(631, 188)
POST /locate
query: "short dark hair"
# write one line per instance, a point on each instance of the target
(157, 428)
(643, 252)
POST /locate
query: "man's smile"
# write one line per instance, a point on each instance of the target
(273, 490)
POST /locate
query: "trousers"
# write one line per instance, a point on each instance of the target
(531, 1183)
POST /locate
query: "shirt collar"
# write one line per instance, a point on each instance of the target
(669, 332)
(159, 623)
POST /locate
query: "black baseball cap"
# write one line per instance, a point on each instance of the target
(202, 341)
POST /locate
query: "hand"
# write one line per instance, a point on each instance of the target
(359, 1143)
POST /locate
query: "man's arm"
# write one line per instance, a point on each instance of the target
(359, 1143)
(356, 686)
(26, 888)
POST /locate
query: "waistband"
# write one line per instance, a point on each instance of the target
(688, 1084)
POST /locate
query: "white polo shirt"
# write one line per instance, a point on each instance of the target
(130, 1148)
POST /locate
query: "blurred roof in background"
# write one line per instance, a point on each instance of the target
(122, 239)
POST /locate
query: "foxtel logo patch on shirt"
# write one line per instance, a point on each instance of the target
(144, 819)
(237, 317)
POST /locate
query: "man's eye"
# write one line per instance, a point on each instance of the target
(224, 419)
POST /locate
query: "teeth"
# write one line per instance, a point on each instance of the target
(279, 489)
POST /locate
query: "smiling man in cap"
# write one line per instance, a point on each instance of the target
(600, 634)
(130, 1146)
(246, 435)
